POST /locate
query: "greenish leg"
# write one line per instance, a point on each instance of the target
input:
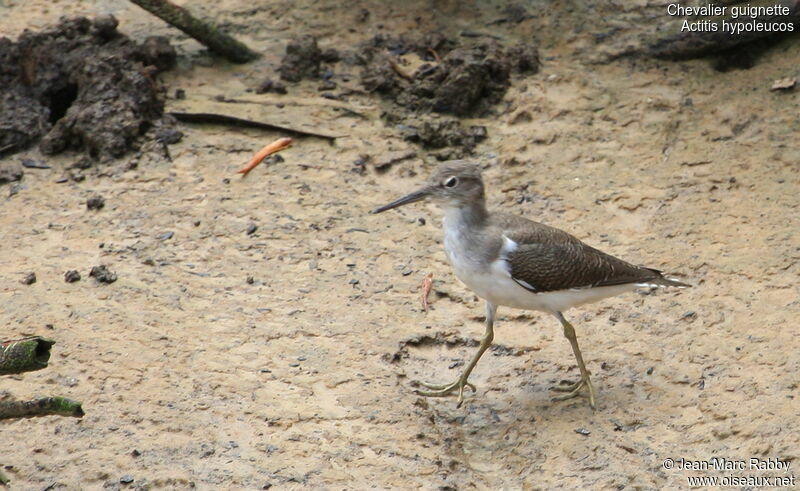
(573, 390)
(441, 390)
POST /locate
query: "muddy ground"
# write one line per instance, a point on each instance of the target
(281, 357)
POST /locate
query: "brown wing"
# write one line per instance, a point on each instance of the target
(548, 259)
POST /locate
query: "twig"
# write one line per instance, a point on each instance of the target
(205, 33)
(435, 55)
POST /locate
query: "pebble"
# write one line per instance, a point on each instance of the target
(106, 25)
(96, 202)
(582, 431)
(251, 229)
(29, 279)
(271, 86)
(168, 136)
(166, 236)
(327, 85)
(126, 479)
(72, 276)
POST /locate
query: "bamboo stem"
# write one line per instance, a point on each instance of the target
(59, 406)
(24, 355)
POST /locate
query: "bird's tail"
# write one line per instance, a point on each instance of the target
(662, 281)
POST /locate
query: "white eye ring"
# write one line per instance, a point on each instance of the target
(451, 182)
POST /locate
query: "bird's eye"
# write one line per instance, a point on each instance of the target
(451, 182)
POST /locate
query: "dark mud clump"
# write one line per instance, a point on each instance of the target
(102, 274)
(302, 60)
(9, 172)
(450, 138)
(467, 81)
(457, 80)
(451, 80)
(80, 85)
(72, 276)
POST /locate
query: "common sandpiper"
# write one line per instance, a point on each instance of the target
(515, 262)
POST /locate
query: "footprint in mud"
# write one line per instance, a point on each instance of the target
(440, 357)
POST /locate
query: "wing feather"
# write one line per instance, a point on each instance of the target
(548, 259)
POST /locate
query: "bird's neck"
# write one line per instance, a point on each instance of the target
(468, 246)
(465, 216)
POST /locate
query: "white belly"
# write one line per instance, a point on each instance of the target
(497, 287)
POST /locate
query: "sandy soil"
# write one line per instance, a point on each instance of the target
(192, 377)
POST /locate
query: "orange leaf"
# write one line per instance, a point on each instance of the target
(265, 152)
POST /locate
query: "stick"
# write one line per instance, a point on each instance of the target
(205, 33)
(59, 406)
(265, 152)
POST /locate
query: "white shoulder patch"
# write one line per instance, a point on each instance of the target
(508, 246)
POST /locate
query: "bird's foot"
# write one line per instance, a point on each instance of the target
(442, 390)
(574, 390)
(566, 386)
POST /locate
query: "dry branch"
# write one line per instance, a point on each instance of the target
(205, 33)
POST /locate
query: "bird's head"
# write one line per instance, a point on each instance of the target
(453, 184)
